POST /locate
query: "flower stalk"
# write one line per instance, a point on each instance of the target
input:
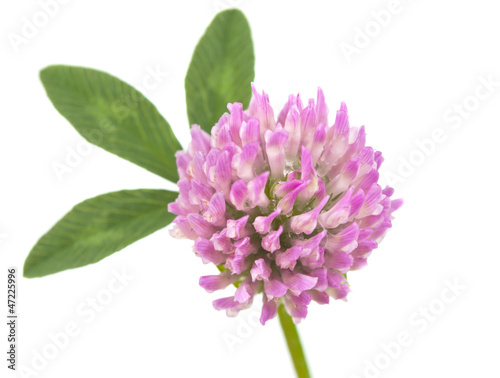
(293, 342)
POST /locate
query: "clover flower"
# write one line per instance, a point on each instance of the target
(283, 206)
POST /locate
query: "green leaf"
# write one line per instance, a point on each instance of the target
(221, 69)
(113, 115)
(98, 227)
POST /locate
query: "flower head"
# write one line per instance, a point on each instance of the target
(284, 206)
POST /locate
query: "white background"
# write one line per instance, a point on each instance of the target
(429, 56)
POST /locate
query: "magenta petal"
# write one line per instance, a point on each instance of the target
(201, 226)
(311, 243)
(288, 259)
(388, 191)
(174, 208)
(308, 174)
(303, 299)
(358, 263)
(246, 290)
(221, 241)
(339, 260)
(322, 283)
(334, 278)
(320, 297)
(211, 159)
(296, 311)
(345, 240)
(293, 102)
(364, 248)
(250, 131)
(275, 143)
(224, 303)
(182, 160)
(269, 309)
(340, 292)
(239, 195)
(182, 229)
(222, 136)
(261, 109)
(318, 143)
(364, 234)
(260, 270)
(359, 141)
(321, 108)
(378, 158)
(372, 205)
(271, 242)
(342, 182)
(221, 176)
(307, 171)
(246, 161)
(396, 204)
(274, 288)
(237, 264)
(287, 202)
(320, 193)
(235, 228)
(243, 247)
(368, 181)
(217, 282)
(235, 120)
(292, 126)
(298, 282)
(315, 259)
(307, 222)
(366, 161)
(283, 188)
(196, 167)
(200, 193)
(336, 143)
(338, 214)
(356, 202)
(263, 224)
(256, 190)
(205, 249)
(309, 121)
(231, 306)
(216, 212)
(200, 139)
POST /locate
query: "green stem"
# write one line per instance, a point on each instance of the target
(293, 342)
